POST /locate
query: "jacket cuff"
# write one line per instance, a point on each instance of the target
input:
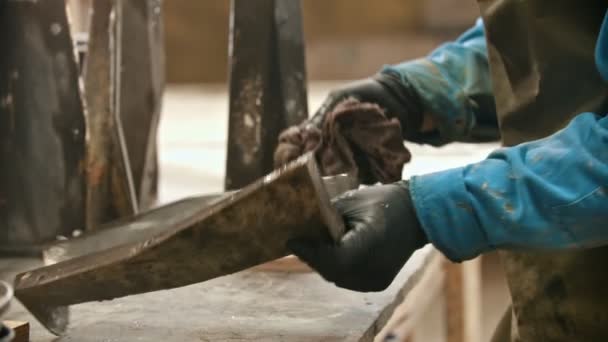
(446, 215)
(441, 98)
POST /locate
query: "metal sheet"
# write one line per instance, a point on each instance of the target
(42, 130)
(267, 84)
(129, 230)
(338, 184)
(109, 194)
(185, 243)
(290, 52)
(141, 89)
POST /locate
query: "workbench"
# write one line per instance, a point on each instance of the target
(253, 305)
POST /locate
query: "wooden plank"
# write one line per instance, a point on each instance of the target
(21, 330)
(463, 301)
(402, 325)
(172, 247)
(246, 306)
(472, 293)
(42, 129)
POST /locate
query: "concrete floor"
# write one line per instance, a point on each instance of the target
(192, 143)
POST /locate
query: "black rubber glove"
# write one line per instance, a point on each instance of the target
(382, 233)
(386, 90)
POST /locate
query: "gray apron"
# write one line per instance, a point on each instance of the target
(543, 73)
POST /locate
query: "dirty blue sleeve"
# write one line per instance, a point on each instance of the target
(547, 194)
(455, 88)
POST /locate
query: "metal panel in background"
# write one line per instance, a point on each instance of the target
(290, 49)
(142, 83)
(110, 194)
(42, 128)
(267, 84)
(124, 107)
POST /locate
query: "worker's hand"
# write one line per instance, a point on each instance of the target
(382, 232)
(385, 90)
(396, 99)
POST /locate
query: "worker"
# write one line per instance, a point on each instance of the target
(538, 70)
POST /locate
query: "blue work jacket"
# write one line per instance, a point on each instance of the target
(545, 194)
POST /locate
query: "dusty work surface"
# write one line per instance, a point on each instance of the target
(246, 306)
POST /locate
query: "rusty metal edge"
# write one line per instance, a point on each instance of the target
(34, 288)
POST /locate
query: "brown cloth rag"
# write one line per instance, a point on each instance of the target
(357, 138)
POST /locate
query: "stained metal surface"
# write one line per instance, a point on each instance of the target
(141, 90)
(129, 230)
(184, 243)
(291, 61)
(267, 84)
(124, 176)
(109, 193)
(339, 184)
(42, 129)
(124, 78)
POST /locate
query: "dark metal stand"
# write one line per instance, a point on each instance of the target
(76, 157)
(267, 84)
(42, 127)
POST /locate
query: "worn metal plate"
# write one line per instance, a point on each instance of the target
(141, 89)
(42, 130)
(129, 230)
(110, 194)
(253, 99)
(290, 52)
(184, 243)
(267, 84)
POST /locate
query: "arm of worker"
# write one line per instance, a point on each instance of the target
(455, 90)
(547, 194)
(444, 97)
(544, 195)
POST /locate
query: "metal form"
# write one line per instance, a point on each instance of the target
(109, 194)
(339, 184)
(183, 243)
(267, 84)
(141, 88)
(42, 128)
(291, 62)
(123, 81)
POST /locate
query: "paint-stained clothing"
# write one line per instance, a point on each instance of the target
(546, 69)
(455, 86)
(547, 194)
(550, 194)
